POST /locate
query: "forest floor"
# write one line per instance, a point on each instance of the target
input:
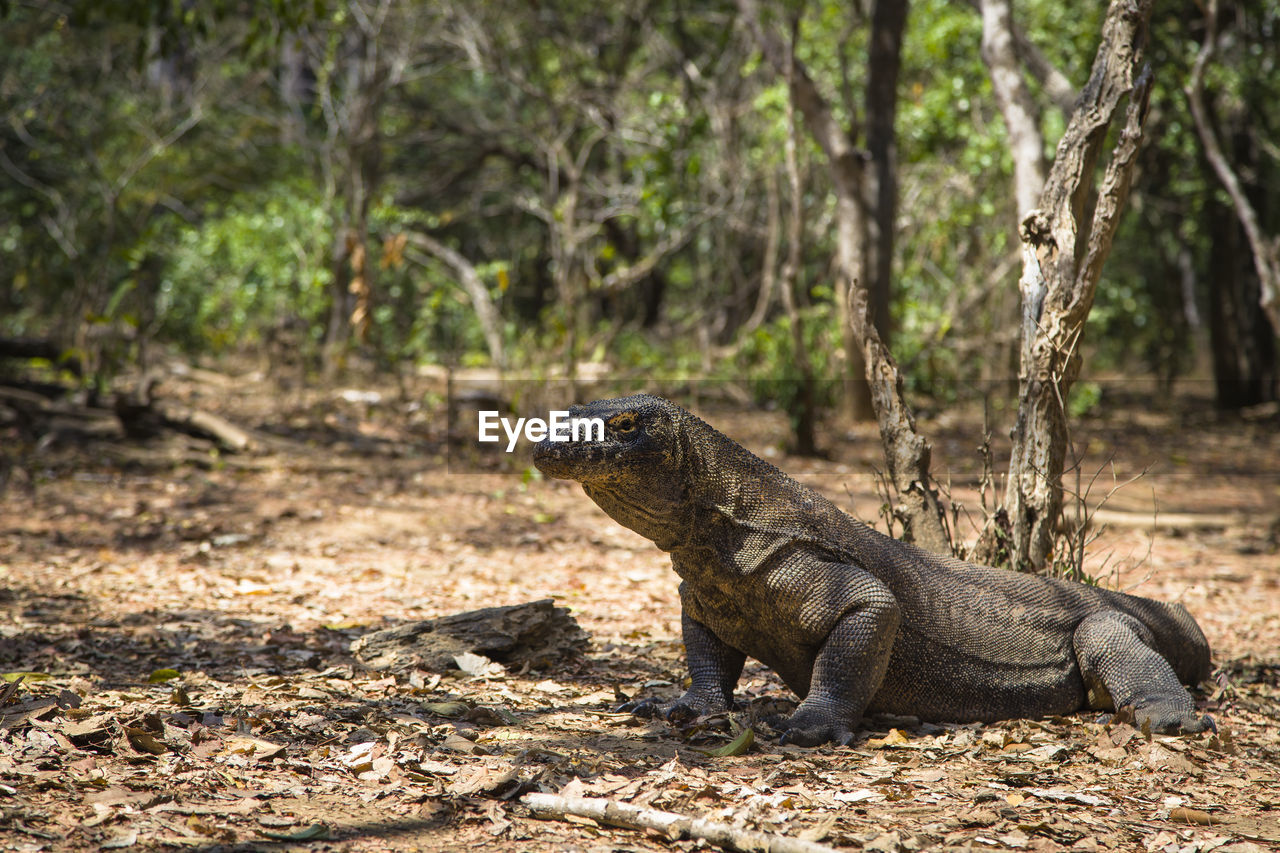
(187, 618)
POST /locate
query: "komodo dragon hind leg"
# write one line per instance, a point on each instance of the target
(1121, 669)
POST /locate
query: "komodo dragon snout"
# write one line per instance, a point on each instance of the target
(852, 620)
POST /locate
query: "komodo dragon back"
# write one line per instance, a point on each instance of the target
(853, 620)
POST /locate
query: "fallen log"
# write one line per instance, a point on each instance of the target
(536, 633)
(143, 416)
(1167, 520)
(206, 425)
(674, 826)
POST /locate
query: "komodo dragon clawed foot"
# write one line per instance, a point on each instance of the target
(813, 727)
(1121, 668)
(681, 710)
(853, 621)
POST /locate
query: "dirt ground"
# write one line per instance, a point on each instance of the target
(187, 625)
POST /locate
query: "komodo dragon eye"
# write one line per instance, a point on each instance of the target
(625, 423)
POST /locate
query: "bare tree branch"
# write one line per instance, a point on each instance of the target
(671, 242)
(1063, 252)
(907, 452)
(1061, 91)
(769, 262)
(469, 277)
(1266, 251)
(668, 823)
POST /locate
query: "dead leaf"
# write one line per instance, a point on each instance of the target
(886, 842)
(25, 676)
(1157, 757)
(1061, 796)
(819, 831)
(549, 686)
(256, 748)
(482, 779)
(13, 716)
(379, 768)
(737, 746)
(457, 743)
(447, 710)
(478, 665)
(144, 741)
(126, 839)
(10, 690)
(1194, 816)
(487, 715)
(893, 738)
(314, 832)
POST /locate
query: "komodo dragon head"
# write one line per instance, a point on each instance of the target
(636, 471)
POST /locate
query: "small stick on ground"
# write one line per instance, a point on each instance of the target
(673, 825)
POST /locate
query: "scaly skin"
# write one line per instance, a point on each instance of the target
(852, 620)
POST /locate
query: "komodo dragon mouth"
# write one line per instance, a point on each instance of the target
(636, 433)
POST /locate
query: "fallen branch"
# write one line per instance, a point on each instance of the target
(671, 824)
(535, 632)
(206, 424)
(143, 416)
(1166, 520)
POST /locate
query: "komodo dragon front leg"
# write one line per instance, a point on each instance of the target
(1122, 668)
(836, 669)
(714, 668)
(847, 672)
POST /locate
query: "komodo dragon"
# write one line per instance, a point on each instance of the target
(852, 620)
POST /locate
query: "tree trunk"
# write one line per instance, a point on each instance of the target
(354, 161)
(851, 249)
(1021, 119)
(804, 413)
(1064, 247)
(884, 60)
(1241, 339)
(906, 451)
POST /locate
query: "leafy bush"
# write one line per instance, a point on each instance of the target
(256, 263)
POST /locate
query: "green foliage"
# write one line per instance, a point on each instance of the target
(167, 178)
(240, 273)
(1083, 399)
(768, 357)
